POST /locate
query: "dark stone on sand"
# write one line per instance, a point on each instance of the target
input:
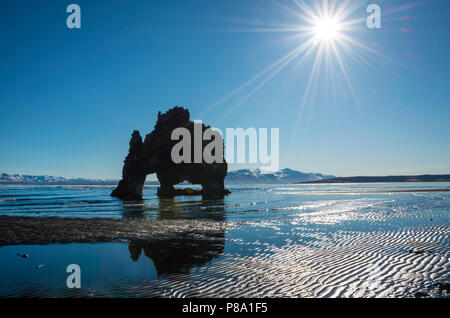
(153, 155)
(420, 295)
(418, 252)
(46, 230)
(443, 286)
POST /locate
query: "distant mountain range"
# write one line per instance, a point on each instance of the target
(28, 179)
(243, 176)
(256, 176)
(421, 178)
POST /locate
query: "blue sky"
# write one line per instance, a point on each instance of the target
(69, 99)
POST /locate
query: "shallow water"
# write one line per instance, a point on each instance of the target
(354, 240)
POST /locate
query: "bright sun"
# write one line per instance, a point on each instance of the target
(326, 29)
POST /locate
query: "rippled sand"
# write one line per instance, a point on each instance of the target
(350, 265)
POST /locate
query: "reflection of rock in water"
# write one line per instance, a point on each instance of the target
(133, 209)
(178, 255)
(170, 208)
(195, 247)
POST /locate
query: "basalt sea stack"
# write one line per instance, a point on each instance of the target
(154, 156)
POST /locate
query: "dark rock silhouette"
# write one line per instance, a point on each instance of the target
(154, 156)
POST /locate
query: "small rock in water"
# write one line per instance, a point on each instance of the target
(25, 255)
(39, 266)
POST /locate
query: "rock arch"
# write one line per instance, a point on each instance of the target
(153, 155)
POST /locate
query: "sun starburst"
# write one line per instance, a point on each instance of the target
(325, 32)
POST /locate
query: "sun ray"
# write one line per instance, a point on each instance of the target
(295, 29)
(296, 53)
(308, 17)
(312, 75)
(250, 81)
(344, 72)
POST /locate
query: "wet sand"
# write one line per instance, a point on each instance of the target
(43, 230)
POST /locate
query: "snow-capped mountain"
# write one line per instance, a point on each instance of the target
(258, 176)
(19, 178)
